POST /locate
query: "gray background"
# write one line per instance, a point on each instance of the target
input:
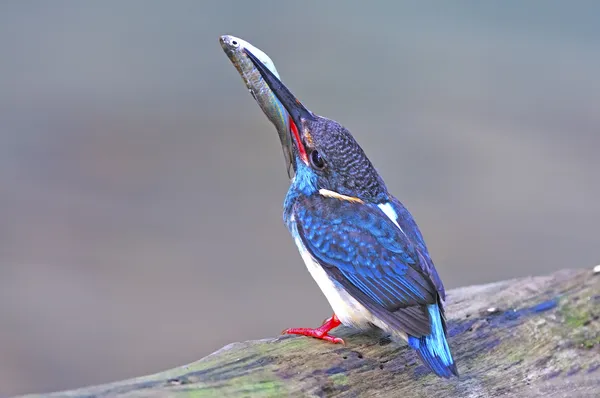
(141, 186)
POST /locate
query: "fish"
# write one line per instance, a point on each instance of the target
(236, 49)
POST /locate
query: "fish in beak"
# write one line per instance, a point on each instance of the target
(297, 112)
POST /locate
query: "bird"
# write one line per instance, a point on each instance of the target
(360, 244)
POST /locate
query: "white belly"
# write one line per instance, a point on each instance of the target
(349, 311)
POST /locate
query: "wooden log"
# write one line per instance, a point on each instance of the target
(530, 337)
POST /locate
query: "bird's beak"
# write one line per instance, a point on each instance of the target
(298, 112)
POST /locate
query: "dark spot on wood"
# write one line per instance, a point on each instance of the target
(345, 357)
(381, 366)
(467, 316)
(335, 370)
(359, 355)
(384, 341)
(470, 329)
(177, 381)
(328, 390)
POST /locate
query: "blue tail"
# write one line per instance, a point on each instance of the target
(433, 349)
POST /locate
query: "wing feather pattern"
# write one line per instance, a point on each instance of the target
(363, 250)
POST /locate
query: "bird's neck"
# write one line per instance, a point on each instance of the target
(305, 181)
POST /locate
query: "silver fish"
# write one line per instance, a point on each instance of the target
(235, 49)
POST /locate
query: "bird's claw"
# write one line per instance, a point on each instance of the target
(315, 333)
(321, 332)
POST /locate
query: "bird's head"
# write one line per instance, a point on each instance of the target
(323, 150)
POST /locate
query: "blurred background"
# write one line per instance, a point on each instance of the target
(142, 187)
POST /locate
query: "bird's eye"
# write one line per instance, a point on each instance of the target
(316, 160)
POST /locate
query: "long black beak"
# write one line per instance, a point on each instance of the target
(294, 107)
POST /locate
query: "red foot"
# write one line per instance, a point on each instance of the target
(321, 332)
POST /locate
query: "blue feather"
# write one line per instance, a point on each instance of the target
(407, 224)
(433, 349)
(366, 247)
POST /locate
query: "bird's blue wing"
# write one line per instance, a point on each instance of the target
(409, 226)
(362, 249)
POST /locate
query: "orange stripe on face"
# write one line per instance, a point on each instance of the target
(331, 194)
(308, 137)
(299, 145)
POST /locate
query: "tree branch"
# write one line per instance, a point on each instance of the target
(529, 337)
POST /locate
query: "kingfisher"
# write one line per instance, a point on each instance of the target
(360, 244)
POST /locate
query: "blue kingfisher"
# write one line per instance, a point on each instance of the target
(359, 243)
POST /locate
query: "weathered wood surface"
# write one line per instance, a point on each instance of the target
(543, 340)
